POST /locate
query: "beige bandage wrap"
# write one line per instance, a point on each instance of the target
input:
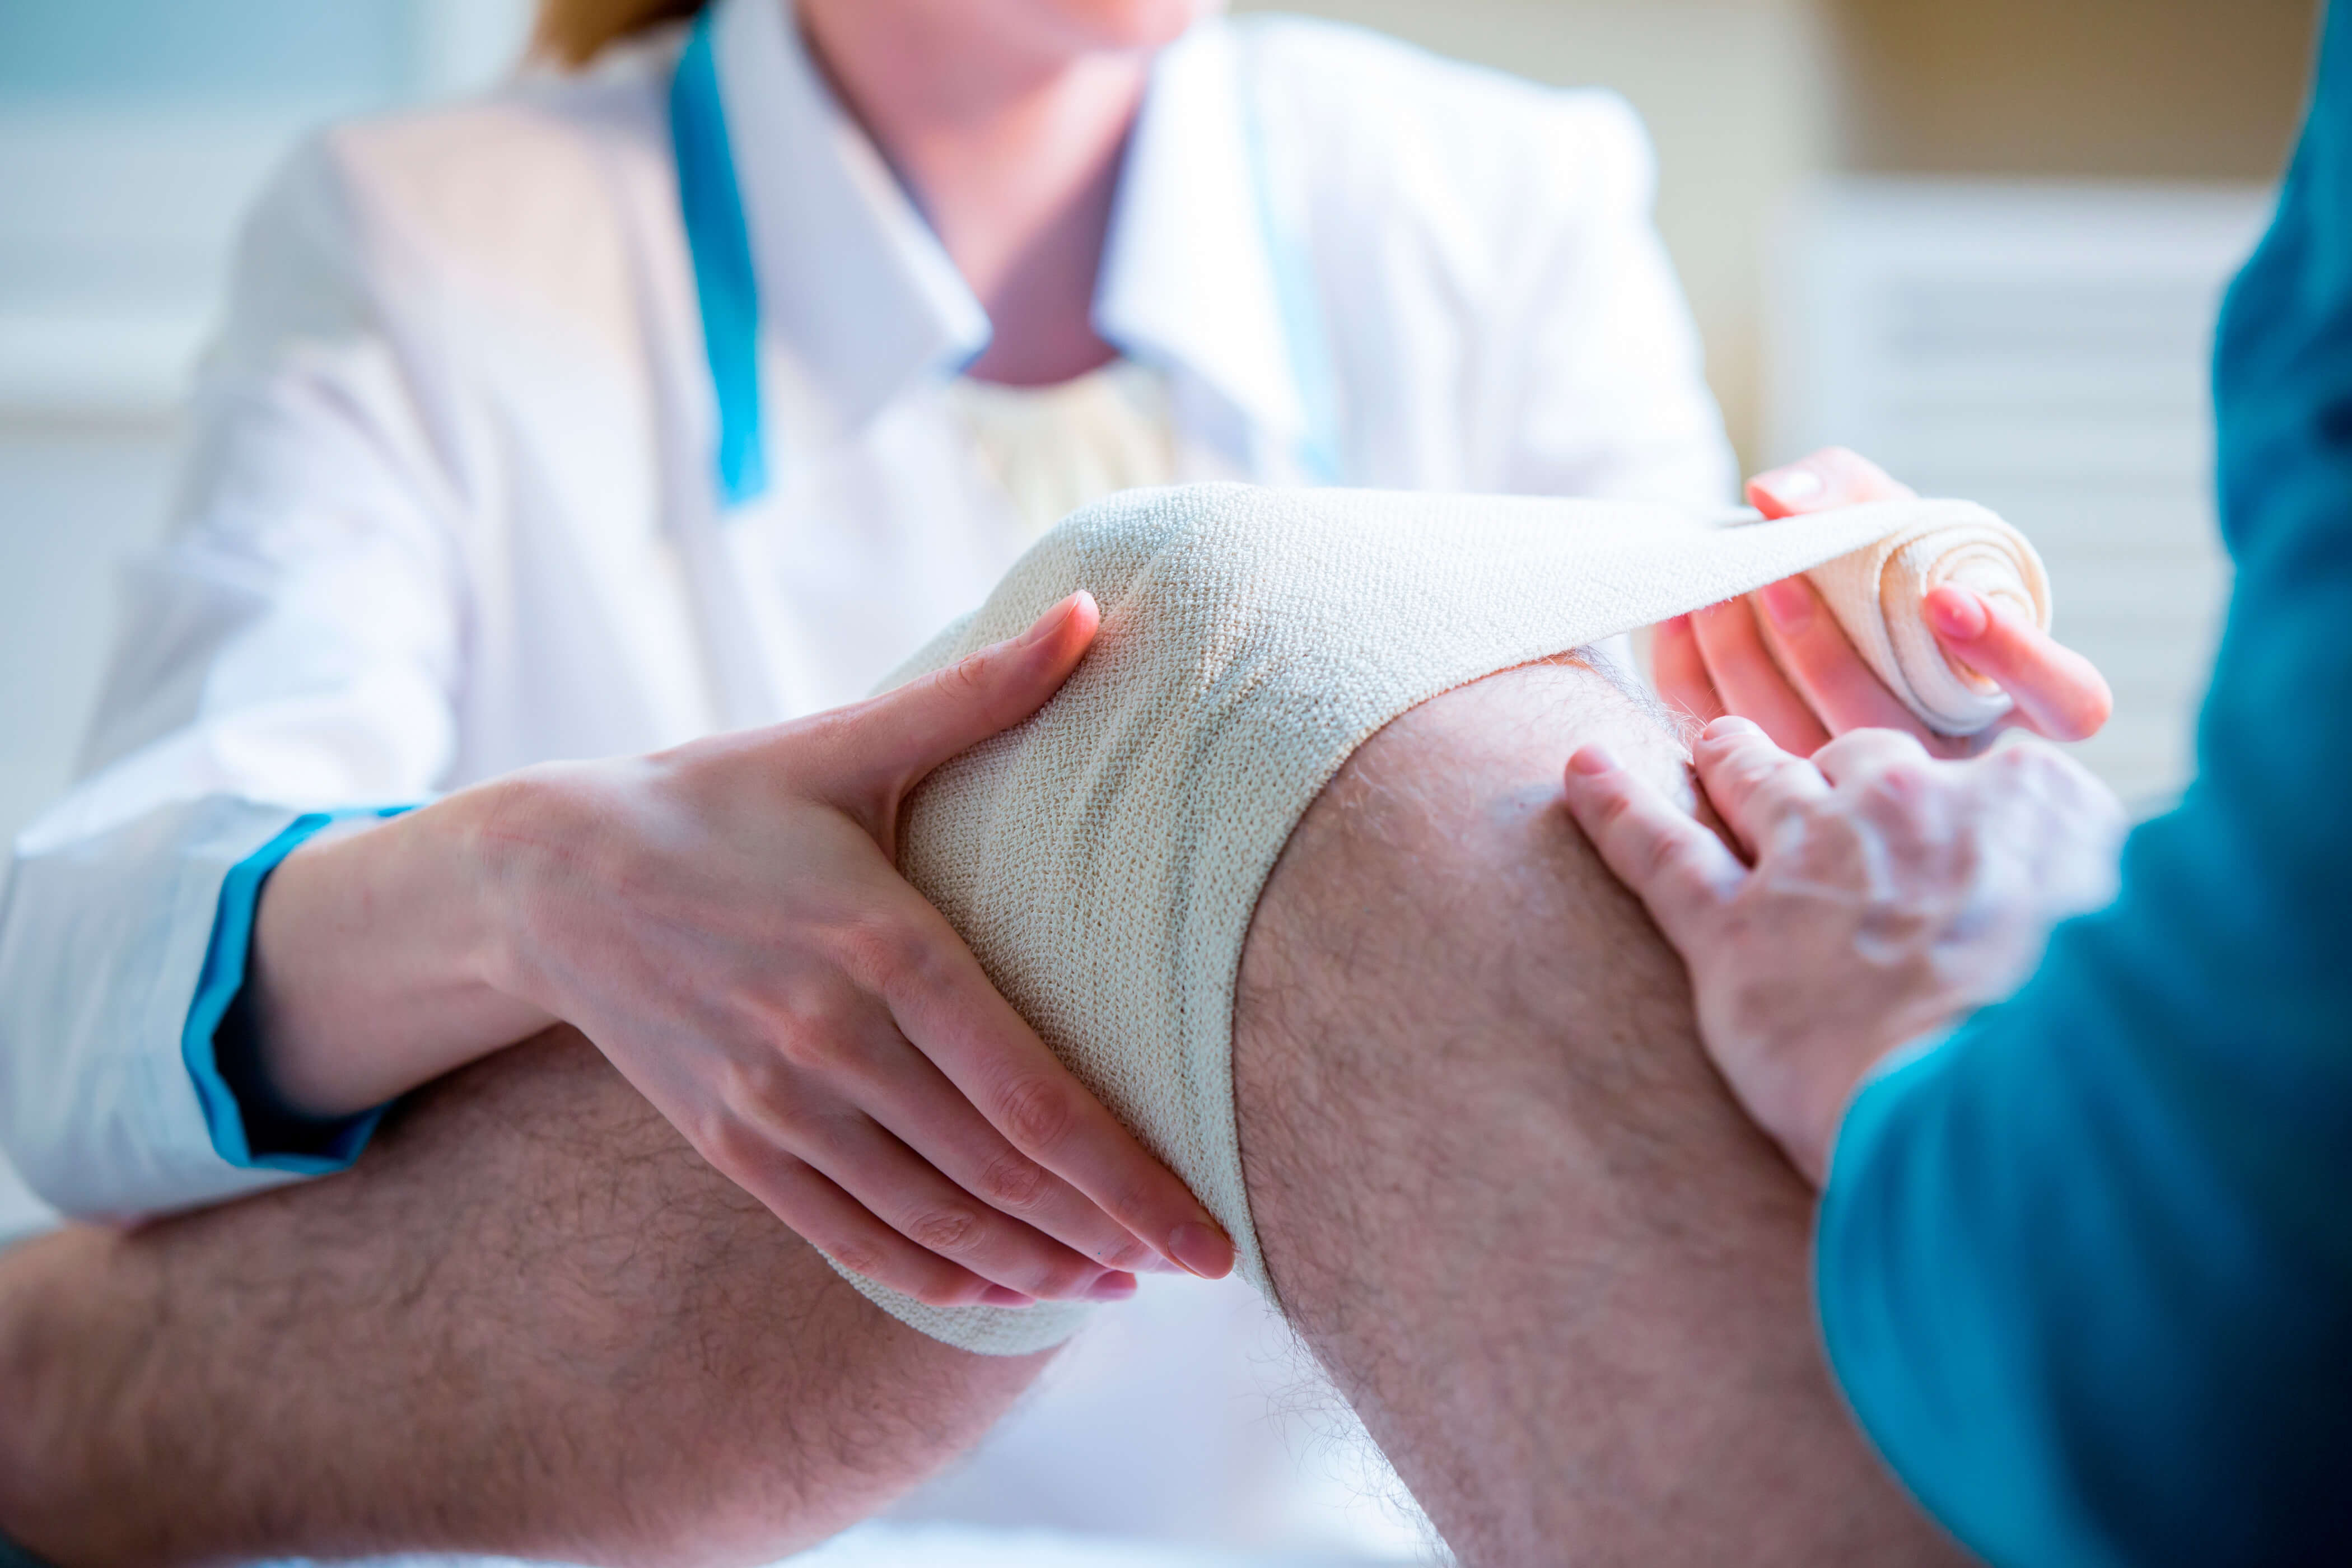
(1104, 859)
(1876, 594)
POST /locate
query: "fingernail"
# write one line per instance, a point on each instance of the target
(1135, 1257)
(1051, 621)
(1788, 486)
(1732, 724)
(998, 1296)
(1790, 603)
(1204, 1249)
(1593, 761)
(1112, 1288)
(1956, 613)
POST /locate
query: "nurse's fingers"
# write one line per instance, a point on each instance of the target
(847, 1232)
(912, 1196)
(1750, 684)
(1753, 784)
(1833, 477)
(911, 1100)
(1681, 673)
(2058, 693)
(884, 747)
(1672, 862)
(1821, 662)
(944, 1002)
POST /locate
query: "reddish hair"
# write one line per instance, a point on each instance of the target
(573, 32)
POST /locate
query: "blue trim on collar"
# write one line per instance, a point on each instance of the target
(728, 289)
(1299, 304)
(727, 282)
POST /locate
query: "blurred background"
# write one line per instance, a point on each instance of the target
(1982, 242)
(1979, 241)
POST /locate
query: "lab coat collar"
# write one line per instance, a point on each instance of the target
(851, 278)
(854, 282)
(1189, 271)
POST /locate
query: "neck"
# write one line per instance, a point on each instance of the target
(1010, 145)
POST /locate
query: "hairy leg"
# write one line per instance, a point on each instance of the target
(532, 1321)
(1502, 1193)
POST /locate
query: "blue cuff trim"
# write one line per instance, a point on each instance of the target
(218, 985)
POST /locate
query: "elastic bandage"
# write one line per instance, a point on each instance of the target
(1103, 859)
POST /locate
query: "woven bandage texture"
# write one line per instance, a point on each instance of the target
(1103, 858)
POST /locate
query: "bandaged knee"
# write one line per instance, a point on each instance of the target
(1104, 859)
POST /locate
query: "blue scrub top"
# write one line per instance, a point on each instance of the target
(2085, 1267)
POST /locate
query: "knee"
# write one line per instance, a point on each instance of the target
(1438, 904)
(1444, 841)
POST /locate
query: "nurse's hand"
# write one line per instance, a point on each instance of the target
(1779, 656)
(1873, 895)
(726, 922)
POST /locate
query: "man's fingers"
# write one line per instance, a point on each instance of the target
(1752, 783)
(1831, 477)
(1681, 672)
(2058, 693)
(895, 739)
(1820, 661)
(947, 1007)
(1863, 752)
(1750, 683)
(1672, 862)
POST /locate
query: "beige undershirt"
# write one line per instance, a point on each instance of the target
(1055, 448)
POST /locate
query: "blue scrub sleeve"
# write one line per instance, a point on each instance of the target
(2084, 1267)
(250, 1129)
(14, 1556)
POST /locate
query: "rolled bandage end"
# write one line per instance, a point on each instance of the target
(1879, 592)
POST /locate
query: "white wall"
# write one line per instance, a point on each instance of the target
(1738, 100)
(2042, 349)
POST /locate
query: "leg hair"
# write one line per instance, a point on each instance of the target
(531, 1323)
(1502, 1195)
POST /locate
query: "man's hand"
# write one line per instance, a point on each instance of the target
(1779, 658)
(1875, 895)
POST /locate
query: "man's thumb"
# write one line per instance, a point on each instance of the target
(905, 734)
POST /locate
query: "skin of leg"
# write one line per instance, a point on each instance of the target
(530, 1321)
(1502, 1195)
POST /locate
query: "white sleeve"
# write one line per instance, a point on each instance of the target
(292, 647)
(1610, 395)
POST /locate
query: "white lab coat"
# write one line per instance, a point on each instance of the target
(449, 509)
